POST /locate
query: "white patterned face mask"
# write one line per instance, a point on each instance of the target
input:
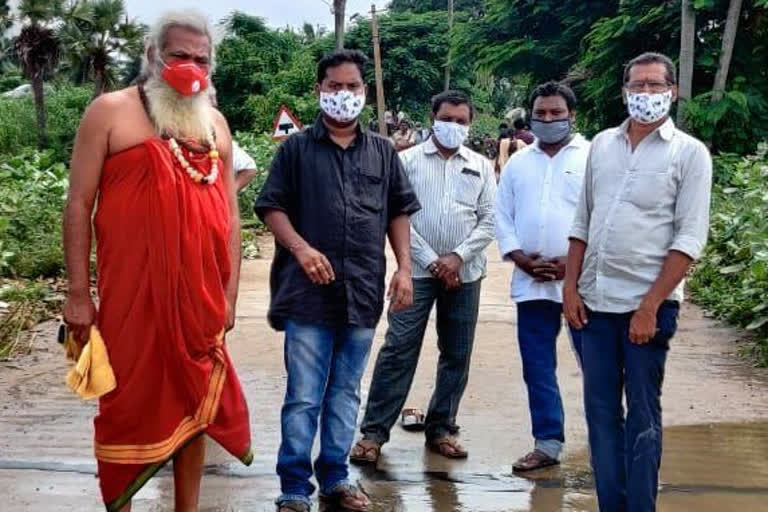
(450, 135)
(648, 108)
(342, 106)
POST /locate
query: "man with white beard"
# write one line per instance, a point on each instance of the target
(158, 156)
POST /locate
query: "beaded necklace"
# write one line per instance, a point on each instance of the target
(178, 154)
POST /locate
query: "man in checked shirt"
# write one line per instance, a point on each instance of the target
(456, 188)
(642, 221)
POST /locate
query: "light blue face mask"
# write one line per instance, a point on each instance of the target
(551, 132)
(450, 135)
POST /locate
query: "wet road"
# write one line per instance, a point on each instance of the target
(715, 406)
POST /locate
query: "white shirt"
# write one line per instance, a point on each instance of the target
(535, 206)
(636, 207)
(456, 215)
(241, 161)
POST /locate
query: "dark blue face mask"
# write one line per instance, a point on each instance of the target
(551, 132)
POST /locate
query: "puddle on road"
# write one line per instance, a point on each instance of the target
(706, 468)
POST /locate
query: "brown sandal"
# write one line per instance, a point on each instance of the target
(365, 454)
(448, 447)
(349, 497)
(533, 461)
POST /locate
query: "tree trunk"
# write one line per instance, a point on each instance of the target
(687, 45)
(726, 52)
(339, 8)
(450, 44)
(37, 89)
(98, 82)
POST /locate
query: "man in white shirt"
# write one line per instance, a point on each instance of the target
(243, 165)
(642, 220)
(535, 205)
(456, 188)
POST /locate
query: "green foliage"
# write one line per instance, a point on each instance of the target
(33, 189)
(588, 43)
(732, 278)
(64, 106)
(422, 6)
(260, 69)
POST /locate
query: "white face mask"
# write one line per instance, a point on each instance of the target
(342, 106)
(648, 108)
(450, 135)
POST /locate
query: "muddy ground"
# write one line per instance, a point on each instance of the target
(715, 416)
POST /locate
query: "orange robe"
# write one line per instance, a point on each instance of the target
(163, 264)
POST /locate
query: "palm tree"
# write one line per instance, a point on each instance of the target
(99, 36)
(37, 50)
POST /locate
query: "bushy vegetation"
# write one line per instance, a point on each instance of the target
(33, 187)
(732, 278)
(65, 105)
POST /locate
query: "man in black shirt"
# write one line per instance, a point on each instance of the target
(333, 194)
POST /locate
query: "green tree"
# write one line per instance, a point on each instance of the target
(422, 6)
(414, 49)
(540, 37)
(259, 68)
(97, 35)
(37, 50)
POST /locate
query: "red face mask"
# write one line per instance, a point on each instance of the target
(186, 78)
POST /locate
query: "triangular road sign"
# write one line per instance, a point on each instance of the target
(285, 124)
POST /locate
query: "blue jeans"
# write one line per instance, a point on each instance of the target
(626, 454)
(324, 366)
(538, 325)
(397, 360)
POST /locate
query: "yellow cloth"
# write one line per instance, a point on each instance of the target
(92, 375)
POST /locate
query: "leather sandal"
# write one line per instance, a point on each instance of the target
(448, 447)
(533, 461)
(365, 451)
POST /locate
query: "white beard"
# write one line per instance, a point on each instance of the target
(181, 117)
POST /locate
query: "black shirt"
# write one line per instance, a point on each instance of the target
(341, 202)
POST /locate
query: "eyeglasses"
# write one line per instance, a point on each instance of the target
(653, 86)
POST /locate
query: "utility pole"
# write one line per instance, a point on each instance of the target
(380, 105)
(450, 44)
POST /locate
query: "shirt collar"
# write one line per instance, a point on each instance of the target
(666, 131)
(320, 131)
(576, 142)
(431, 149)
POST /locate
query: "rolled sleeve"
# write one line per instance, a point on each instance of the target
(277, 192)
(401, 198)
(693, 202)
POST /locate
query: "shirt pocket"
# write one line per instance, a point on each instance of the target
(467, 187)
(573, 184)
(370, 186)
(649, 189)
